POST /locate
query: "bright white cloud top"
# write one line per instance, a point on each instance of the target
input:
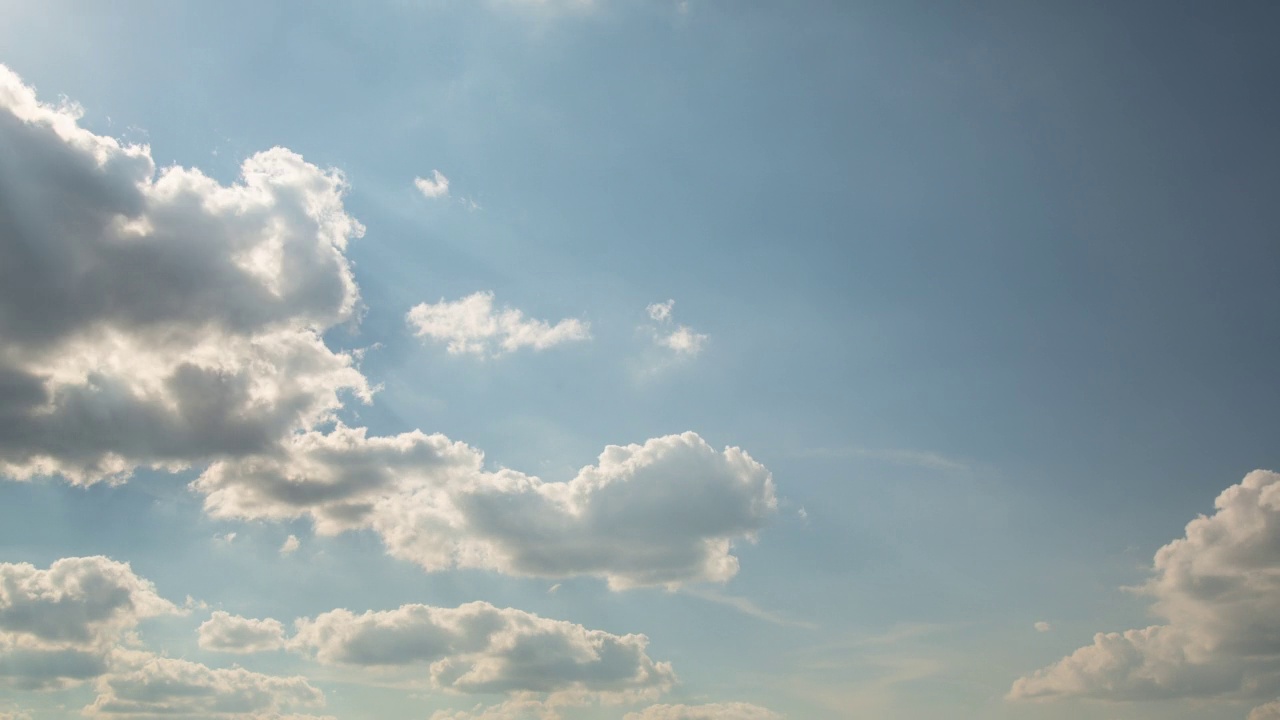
(472, 326)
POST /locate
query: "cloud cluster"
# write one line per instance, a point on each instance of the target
(680, 339)
(59, 626)
(472, 326)
(160, 318)
(710, 711)
(663, 513)
(146, 685)
(478, 648)
(1218, 590)
(224, 632)
(163, 319)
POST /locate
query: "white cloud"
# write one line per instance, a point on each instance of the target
(290, 545)
(1043, 626)
(1269, 711)
(14, 715)
(478, 648)
(224, 632)
(711, 711)
(1218, 589)
(681, 339)
(661, 312)
(58, 626)
(146, 685)
(472, 326)
(436, 187)
(160, 319)
(663, 513)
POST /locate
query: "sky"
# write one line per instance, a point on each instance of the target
(639, 360)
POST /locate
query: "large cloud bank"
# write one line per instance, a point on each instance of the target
(1218, 591)
(158, 318)
(665, 512)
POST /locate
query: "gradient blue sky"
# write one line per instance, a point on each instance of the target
(990, 289)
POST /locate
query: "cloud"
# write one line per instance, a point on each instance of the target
(436, 187)
(472, 326)
(746, 607)
(160, 318)
(478, 648)
(224, 632)
(58, 626)
(290, 545)
(1270, 711)
(663, 513)
(711, 711)
(146, 685)
(680, 339)
(661, 312)
(1043, 626)
(1218, 589)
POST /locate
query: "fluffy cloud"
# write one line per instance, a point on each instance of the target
(472, 326)
(145, 685)
(712, 711)
(59, 626)
(1218, 589)
(478, 648)
(290, 545)
(680, 339)
(224, 632)
(435, 187)
(1270, 711)
(662, 513)
(160, 318)
(1043, 626)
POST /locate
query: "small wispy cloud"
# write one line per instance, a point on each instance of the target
(1043, 626)
(291, 545)
(681, 339)
(746, 607)
(436, 187)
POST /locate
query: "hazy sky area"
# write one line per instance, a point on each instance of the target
(639, 360)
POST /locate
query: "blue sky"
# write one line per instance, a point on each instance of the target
(868, 359)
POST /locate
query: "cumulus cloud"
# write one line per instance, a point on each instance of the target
(681, 339)
(224, 632)
(59, 626)
(146, 685)
(1218, 589)
(478, 648)
(435, 187)
(159, 318)
(1043, 626)
(1270, 711)
(290, 545)
(472, 326)
(663, 513)
(711, 711)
